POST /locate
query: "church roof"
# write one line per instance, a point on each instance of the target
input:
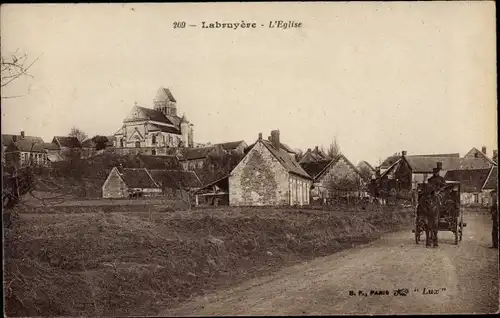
(154, 115)
(167, 129)
(164, 94)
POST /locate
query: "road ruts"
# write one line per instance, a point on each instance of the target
(465, 277)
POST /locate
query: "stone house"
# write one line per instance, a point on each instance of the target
(154, 129)
(23, 152)
(268, 175)
(7, 139)
(128, 182)
(472, 182)
(336, 177)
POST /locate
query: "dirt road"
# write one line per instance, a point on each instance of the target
(449, 279)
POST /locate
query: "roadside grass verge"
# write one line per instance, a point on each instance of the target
(139, 262)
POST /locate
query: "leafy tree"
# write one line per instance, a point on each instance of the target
(100, 142)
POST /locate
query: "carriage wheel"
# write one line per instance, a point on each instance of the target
(461, 231)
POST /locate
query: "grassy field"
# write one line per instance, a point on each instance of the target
(140, 261)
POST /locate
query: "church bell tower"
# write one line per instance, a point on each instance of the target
(165, 102)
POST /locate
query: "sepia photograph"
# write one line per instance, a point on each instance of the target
(249, 159)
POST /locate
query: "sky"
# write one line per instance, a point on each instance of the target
(379, 77)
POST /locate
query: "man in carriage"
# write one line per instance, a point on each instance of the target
(437, 182)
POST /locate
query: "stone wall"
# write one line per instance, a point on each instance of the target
(114, 187)
(260, 180)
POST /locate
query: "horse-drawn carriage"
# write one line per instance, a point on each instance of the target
(449, 213)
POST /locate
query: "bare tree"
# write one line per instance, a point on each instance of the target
(13, 66)
(78, 133)
(333, 149)
(298, 154)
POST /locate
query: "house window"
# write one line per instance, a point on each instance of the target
(153, 152)
(153, 139)
(137, 144)
(121, 143)
(476, 198)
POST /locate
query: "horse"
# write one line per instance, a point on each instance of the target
(428, 208)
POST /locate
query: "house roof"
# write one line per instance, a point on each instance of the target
(197, 153)
(313, 155)
(164, 94)
(51, 146)
(7, 138)
(283, 146)
(171, 178)
(231, 145)
(480, 154)
(70, 142)
(26, 145)
(222, 182)
(334, 161)
(392, 159)
(491, 182)
(313, 168)
(286, 160)
(88, 143)
(425, 164)
(470, 180)
(137, 178)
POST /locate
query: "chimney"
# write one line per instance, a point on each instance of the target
(483, 149)
(260, 136)
(275, 139)
(22, 136)
(14, 138)
(403, 153)
(439, 165)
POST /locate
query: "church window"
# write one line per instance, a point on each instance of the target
(121, 143)
(137, 144)
(153, 139)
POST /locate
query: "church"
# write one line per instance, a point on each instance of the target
(155, 129)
